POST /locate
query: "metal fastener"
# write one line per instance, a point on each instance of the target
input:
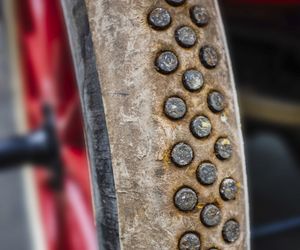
(159, 18)
(216, 101)
(200, 126)
(228, 189)
(185, 36)
(166, 62)
(175, 2)
(231, 231)
(189, 241)
(182, 154)
(192, 80)
(210, 215)
(206, 173)
(208, 57)
(199, 15)
(185, 199)
(223, 148)
(175, 108)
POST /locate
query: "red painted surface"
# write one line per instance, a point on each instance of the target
(48, 77)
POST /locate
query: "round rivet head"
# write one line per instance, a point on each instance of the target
(200, 127)
(216, 101)
(189, 241)
(182, 154)
(210, 215)
(185, 36)
(166, 62)
(223, 148)
(159, 18)
(206, 173)
(228, 189)
(231, 231)
(175, 108)
(209, 57)
(175, 2)
(199, 15)
(185, 199)
(192, 80)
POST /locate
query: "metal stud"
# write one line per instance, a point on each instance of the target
(166, 62)
(185, 199)
(228, 189)
(192, 80)
(159, 18)
(199, 15)
(200, 126)
(175, 2)
(182, 154)
(216, 101)
(231, 231)
(223, 148)
(206, 173)
(185, 36)
(208, 57)
(175, 108)
(189, 241)
(210, 215)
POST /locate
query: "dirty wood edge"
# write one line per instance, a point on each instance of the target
(96, 135)
(238, 118)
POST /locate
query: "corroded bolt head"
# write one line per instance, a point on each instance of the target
(185, 199)
(185, 36)
(223, 148)
(199, 15)
(189, 241)
(207, 173)
(228, 189)
(208, 57)
(216, 101)
(175, 2)
(182, 154)
(210, 215)
(192, 80)
(175, 108)
(200, 126)
(231, 231)
(166, 62)
(159, 18)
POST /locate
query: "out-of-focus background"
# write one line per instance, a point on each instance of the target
(264, 42)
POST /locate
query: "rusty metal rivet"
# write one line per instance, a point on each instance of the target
(206, 173)
(216, 101)
(200, 126)
(166, 62)
(208, 57)
(192, 80)
(231, 231)
(182, 154)
(199, 15)
(175, 108)
(159, 18)
(223, 148)
(228, 189)
(210, 215)
(185, 199)
(185, 36)
(189, 241)
(175, 2)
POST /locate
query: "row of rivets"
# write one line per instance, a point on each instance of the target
(175, 108)
(167, 62)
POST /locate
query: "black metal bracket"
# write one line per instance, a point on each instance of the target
(38, 148)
